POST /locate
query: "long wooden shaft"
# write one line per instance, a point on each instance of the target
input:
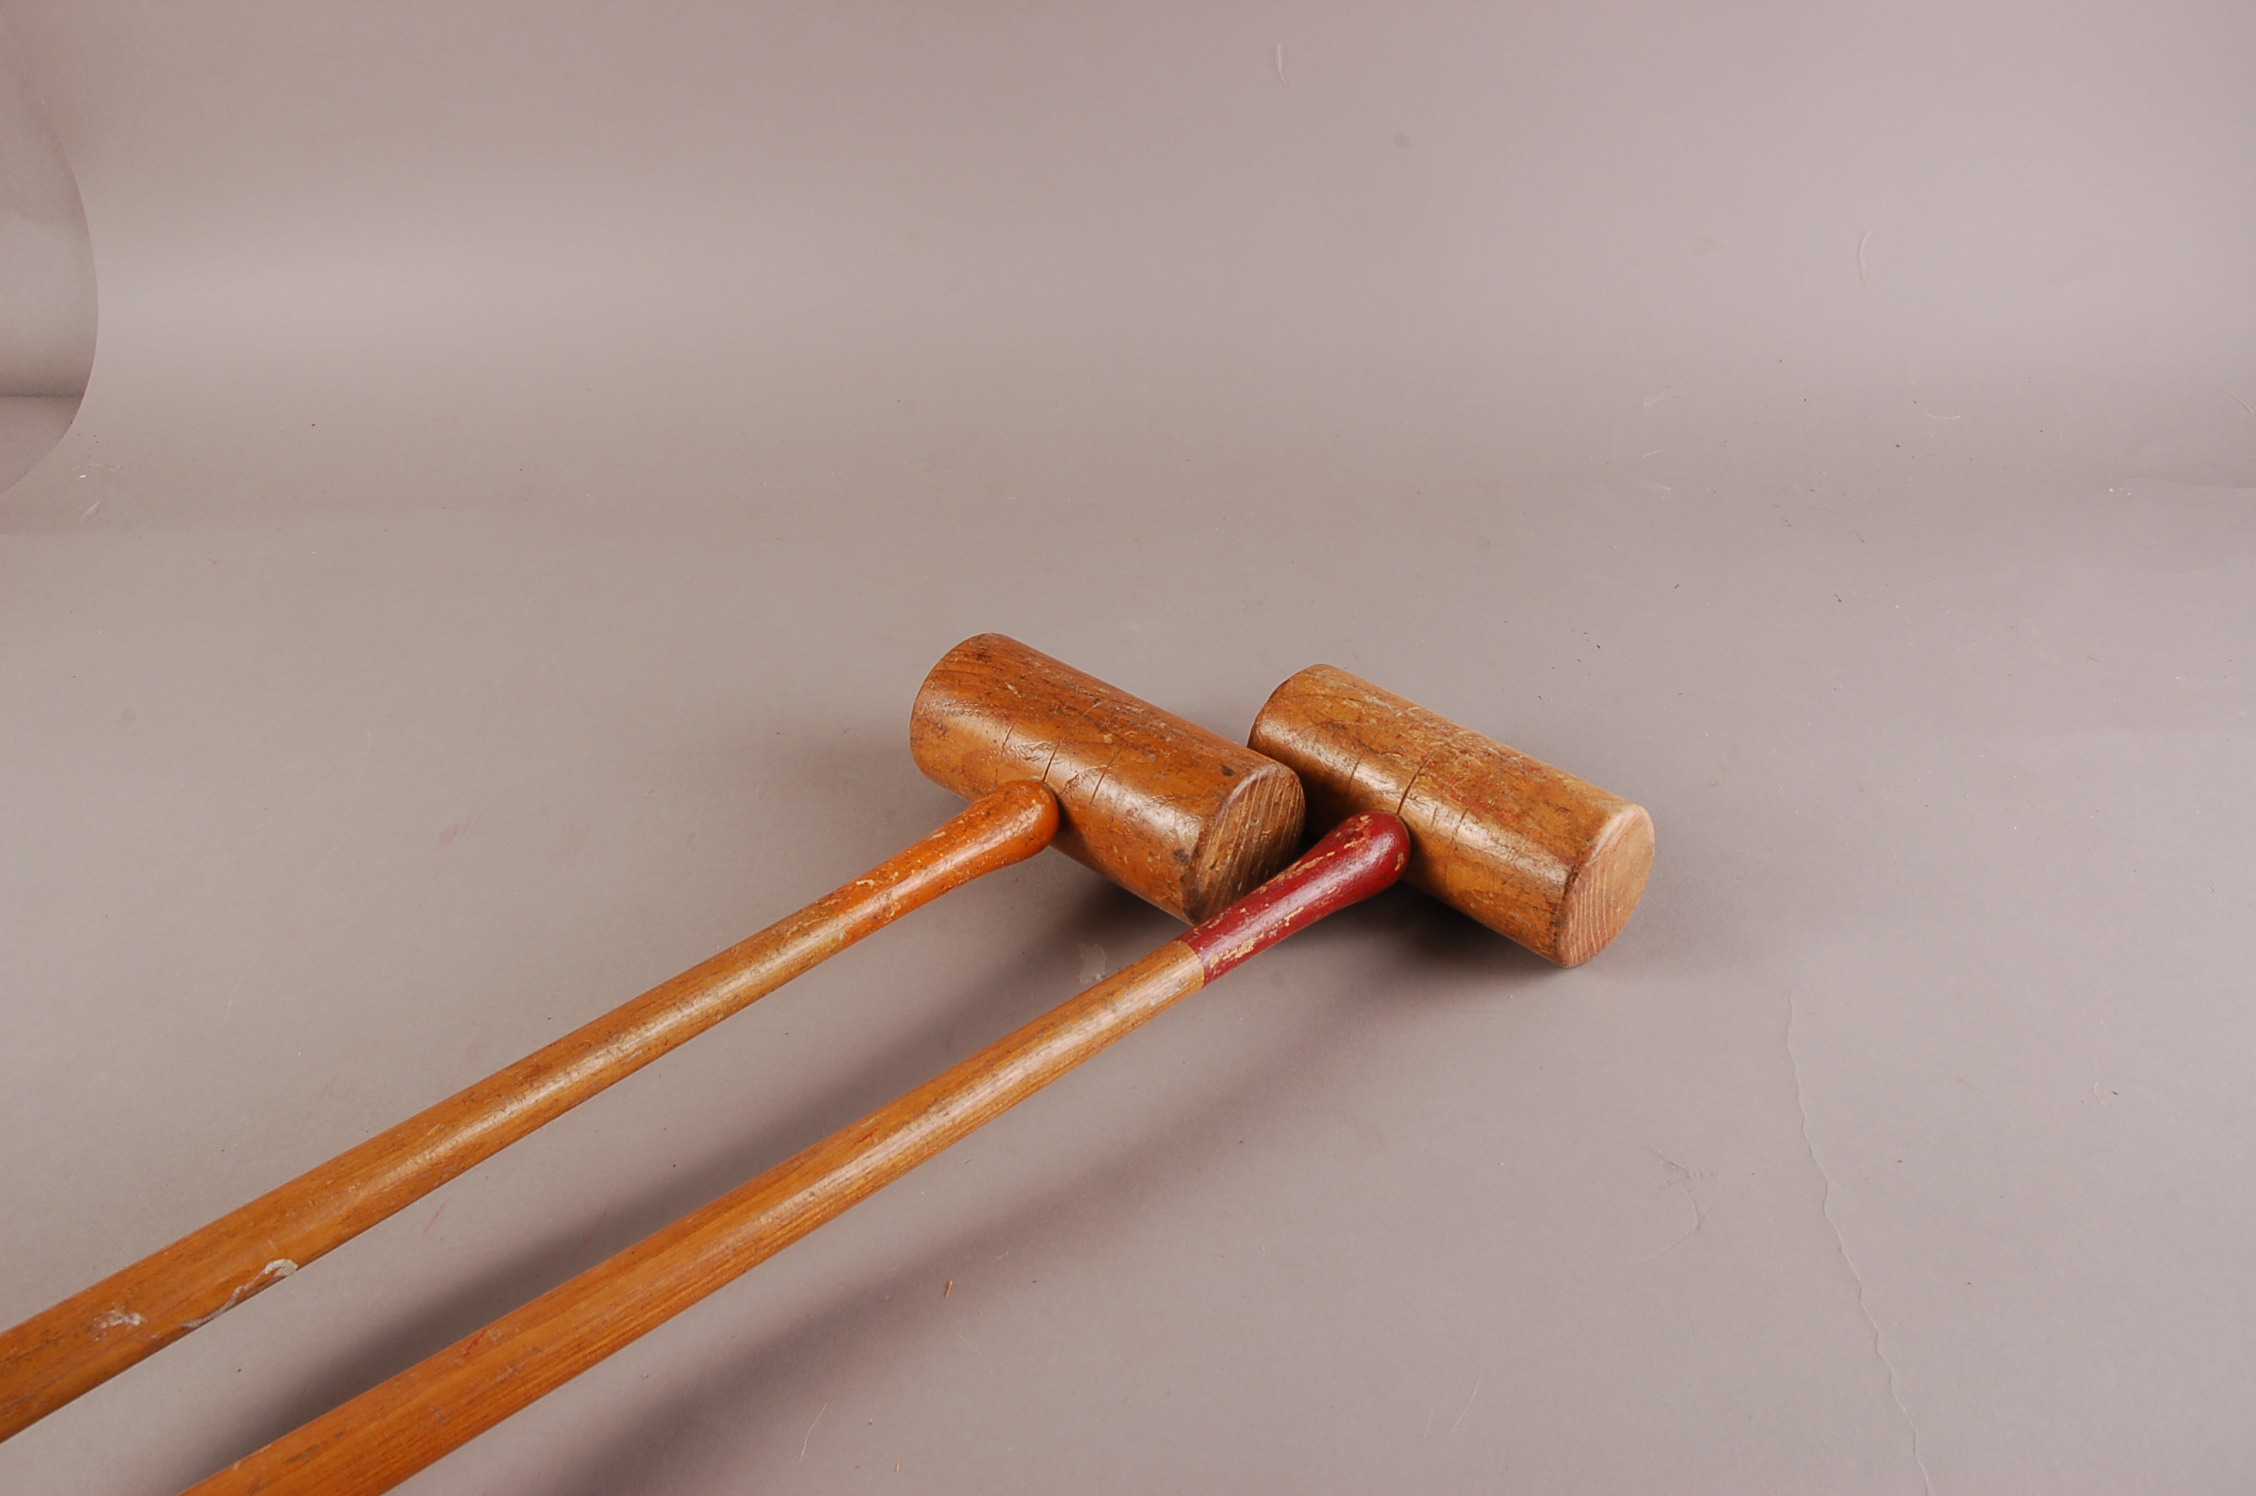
(391, 1431)
(93, 1335)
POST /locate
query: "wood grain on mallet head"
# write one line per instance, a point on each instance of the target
(1175, 814)
(1534, 853)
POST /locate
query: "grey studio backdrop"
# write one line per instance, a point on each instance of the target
(533, 452)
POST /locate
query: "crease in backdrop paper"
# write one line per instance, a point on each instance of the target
(46, 277)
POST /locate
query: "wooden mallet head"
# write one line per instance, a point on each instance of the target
(1534, 853)
(1177, 815)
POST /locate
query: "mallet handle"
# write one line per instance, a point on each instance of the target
(93, 1335)
(391, 1431)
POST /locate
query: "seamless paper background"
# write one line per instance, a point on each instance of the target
(532, 453)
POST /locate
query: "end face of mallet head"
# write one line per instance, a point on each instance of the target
(1175, 814)
(1549, 860)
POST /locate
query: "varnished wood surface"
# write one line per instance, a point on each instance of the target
(1552, 861)
(1175, 814)
(91, 1336)
(391, 1431)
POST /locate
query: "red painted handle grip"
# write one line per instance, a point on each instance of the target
(1357, 858)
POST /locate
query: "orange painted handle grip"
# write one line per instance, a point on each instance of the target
(93, 1335)
(391, 1431)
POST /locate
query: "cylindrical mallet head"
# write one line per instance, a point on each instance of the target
(1173, 813)
(1547, 859)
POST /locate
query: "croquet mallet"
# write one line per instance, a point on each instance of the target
(1171, 811)
(1539, 855)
